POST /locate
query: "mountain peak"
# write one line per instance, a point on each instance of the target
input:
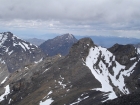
(70, 36)
(81, 48)
(66, 36)
(60, 44)
(15, 50)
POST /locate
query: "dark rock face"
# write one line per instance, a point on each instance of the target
(123, 53)
(81, 48)
(16, 53)
(58, 45)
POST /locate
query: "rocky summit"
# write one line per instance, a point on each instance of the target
(87, 75)
(58, 45)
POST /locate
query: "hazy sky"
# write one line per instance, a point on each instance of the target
(79, 17)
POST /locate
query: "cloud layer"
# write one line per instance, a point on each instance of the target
(91, 17)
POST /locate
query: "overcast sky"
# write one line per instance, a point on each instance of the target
(79, 17)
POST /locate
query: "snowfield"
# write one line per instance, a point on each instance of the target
(103, 75)
(7, 91)
(46, 102)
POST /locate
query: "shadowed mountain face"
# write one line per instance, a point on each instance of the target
(88, 75)
(58, 45)
(16, 53)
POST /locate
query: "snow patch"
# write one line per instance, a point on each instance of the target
(63, 85)
(60, 82)
(26, 68)
(7, 91)
(46, 70)
(10, 52)
(3, 62)
(46, 102)
(138, 50)
(4, 80)
(60, 55)
(21, 44)
(10, 101)
(79, 100)
(133, 58)
(3, 38)
(7, 49)
(70, 36)
(25, 74)
(39, 61)
(49, 93)
(26, 45)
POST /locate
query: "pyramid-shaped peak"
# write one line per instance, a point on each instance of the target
(67, 35)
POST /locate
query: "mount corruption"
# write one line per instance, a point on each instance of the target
(87, 75)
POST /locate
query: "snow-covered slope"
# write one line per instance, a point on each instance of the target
(9, 41)
(99, 61)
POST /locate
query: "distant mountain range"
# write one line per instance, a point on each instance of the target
(104, 41)
(108, 41)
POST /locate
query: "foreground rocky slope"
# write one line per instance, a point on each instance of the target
(88, 75)
(58, 45)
